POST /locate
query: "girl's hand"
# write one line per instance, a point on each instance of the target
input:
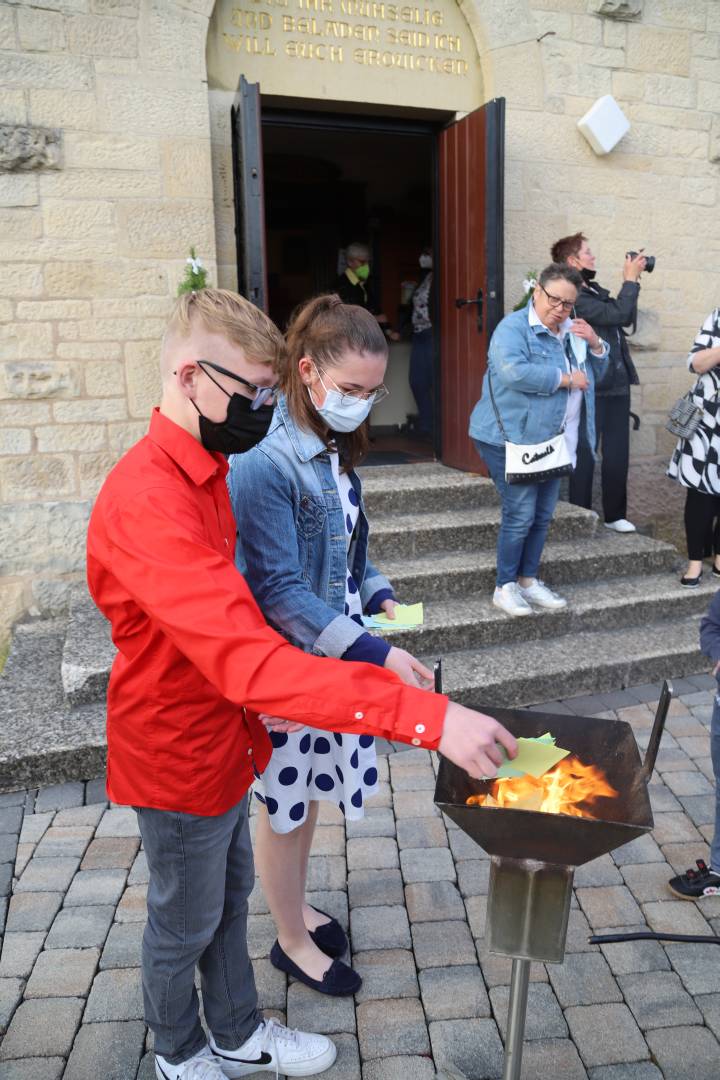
(388, 606)
(274, 723)
(410, 670)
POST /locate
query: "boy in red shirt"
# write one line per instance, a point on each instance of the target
(196, 663)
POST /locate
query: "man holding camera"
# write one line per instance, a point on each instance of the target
(608, 317)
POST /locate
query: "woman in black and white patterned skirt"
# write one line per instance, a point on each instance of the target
(696, 462)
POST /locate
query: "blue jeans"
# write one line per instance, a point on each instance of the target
(201, 874)
(527, 511)
(715, 754)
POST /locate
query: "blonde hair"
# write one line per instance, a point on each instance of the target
(235, 318)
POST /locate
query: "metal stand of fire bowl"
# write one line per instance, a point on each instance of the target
(534, 854)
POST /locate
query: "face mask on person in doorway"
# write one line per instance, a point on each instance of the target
(426, 262)
(362, 273)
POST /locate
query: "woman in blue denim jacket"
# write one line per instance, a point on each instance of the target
(302, 546)
(541, 383)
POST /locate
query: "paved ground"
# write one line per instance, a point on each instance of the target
(414, 889)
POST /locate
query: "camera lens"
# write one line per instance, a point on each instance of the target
(650, 263)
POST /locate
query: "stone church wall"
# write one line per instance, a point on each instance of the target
(106, 178)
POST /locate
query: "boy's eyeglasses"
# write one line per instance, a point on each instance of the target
(263, 395)
(348, 396)
(556, 301)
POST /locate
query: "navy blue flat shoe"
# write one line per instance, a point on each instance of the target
(330, 937)
(339, 980)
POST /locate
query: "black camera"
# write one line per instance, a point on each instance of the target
(649, 260)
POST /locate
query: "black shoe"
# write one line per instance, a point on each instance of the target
(330, 937)
(715, 571)
(692, 582)
(694, 884)
(339, 980)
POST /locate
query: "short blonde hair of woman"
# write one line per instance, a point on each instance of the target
(223, 312)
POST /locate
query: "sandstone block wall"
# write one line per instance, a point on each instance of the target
(92, 252)
(132, 166)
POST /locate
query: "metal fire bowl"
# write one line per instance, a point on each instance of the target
(557, 838)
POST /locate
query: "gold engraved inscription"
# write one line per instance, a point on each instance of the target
(401, 37)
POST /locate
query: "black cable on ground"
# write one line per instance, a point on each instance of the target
(651, 935)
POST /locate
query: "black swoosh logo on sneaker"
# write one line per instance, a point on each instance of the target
(264, 1059)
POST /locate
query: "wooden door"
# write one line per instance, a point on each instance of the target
(249, 193)
(470, 197)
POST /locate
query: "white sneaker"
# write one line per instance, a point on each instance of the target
(203, 1066)
(274, 1048)
(621, 525)
(509, 599)
(539, 594)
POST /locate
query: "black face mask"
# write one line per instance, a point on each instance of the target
(588, 275)
(243, 427)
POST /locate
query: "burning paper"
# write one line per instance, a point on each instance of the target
(569, 787)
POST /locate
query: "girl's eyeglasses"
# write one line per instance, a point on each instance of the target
(263, 395)
(348, 396)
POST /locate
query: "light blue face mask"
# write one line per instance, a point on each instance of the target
(343, 412)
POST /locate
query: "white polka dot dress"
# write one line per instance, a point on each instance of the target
(312, 764)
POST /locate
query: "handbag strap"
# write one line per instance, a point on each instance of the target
(495, 408)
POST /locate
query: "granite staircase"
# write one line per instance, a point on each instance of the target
(433, 533)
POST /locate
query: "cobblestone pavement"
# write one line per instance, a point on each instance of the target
(412, 889)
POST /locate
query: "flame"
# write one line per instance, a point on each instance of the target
(570, 787)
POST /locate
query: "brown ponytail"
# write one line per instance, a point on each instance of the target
(324, 329)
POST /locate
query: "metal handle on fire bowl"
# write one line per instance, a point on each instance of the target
(653, 746)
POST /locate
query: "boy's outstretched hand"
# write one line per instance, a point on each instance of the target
(470, 739)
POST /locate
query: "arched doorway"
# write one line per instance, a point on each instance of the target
(370, 128)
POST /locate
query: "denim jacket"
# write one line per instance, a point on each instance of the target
(292, 538)
(526, 363)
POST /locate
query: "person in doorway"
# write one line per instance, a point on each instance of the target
(541, 385)
(608, 317)
(704, 880)
(422, 351)
(196, 663)
(306, 561)
(352, 287)
(695, 462)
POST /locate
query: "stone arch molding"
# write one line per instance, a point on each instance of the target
(504, 32)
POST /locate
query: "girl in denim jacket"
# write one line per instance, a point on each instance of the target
(302, 546)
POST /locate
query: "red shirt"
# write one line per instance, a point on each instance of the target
(196, 660)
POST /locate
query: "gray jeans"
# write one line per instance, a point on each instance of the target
(201, 874)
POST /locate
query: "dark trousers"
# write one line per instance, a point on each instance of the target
(422, 359)
(612, 426)
(702, 524)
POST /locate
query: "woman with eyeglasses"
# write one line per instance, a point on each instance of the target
(542, 385)
(303, 548)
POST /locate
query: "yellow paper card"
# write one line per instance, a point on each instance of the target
(407, 616)
(535, 756)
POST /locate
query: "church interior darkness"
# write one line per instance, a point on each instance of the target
(324, 189)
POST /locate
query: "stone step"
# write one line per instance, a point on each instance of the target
(587, 663)
(613, 603)
(88, 652)
(460, 574)
(42, 739)
(395, 536)
(423, 488)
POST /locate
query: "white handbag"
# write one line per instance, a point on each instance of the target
(533, 463)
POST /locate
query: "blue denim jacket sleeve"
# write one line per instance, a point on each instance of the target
(512, 365)
(373, 582)
(272, 562)
(710, 630)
